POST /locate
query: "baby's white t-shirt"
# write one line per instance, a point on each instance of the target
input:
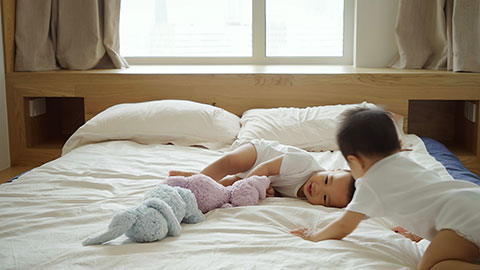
(417, 199)
(296, 168)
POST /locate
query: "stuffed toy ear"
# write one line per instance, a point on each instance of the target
(173, 224)
(120, 224)
(176, 181)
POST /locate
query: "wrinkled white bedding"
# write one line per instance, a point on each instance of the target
(47, 212)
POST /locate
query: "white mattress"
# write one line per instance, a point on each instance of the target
(47, 212)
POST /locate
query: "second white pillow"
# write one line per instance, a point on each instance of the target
(312, 128)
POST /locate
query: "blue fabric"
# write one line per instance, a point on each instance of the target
(453, 165)
(14, 178)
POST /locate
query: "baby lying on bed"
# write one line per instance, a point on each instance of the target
(293, 172)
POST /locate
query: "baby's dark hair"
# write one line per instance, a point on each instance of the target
(369, 132)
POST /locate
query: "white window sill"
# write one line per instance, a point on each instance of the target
(244, 69)
(251, 69)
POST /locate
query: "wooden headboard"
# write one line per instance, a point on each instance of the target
(75, 96)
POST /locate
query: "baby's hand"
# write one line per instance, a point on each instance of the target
(407, 234)
(303, 233)
(270, 191)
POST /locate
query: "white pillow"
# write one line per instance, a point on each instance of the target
(179, 122)
(312, 128)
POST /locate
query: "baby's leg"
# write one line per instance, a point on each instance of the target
(448, 250)
(181, 173)
(402, 231)
(229, 180)
(239, 160)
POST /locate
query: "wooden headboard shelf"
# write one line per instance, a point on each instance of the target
(238, 93)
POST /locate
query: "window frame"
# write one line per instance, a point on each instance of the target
(259, 46)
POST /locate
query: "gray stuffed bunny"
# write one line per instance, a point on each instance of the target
(159, 215)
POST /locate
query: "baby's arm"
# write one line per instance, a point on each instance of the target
(267, 168)
(335, 230)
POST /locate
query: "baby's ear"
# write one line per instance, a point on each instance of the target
(351, 158)
(355, 161)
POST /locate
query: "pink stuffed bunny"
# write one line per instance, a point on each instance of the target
(211, 195)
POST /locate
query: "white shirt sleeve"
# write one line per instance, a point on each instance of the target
(298, 163)
(365, 201)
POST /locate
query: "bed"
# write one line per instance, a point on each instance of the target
(110, 162)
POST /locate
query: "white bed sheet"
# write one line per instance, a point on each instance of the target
(47, 212)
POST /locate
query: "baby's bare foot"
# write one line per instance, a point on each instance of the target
(180, 173)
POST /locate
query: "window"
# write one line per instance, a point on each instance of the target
(237, 31)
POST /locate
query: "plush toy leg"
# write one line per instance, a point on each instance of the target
(174, 227)
(120, 224)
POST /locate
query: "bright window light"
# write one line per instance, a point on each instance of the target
(237, 31)
(304, 28)
(183, 28)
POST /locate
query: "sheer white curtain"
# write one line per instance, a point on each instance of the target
(67, 34)
(438, 34)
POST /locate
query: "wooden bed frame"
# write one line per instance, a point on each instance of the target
(431, 101)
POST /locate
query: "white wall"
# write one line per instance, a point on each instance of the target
(374, 40)
(4, 148)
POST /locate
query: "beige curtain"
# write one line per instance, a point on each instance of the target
(67, 34)
(438, 34)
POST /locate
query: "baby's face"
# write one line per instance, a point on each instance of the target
(328, 188)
